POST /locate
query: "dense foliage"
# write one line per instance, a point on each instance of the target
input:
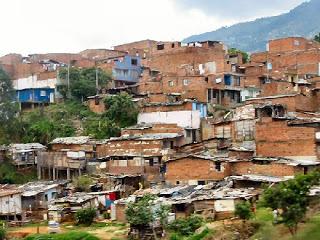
(243, 210)
(245, 56)
(8, 108)
(140, 212)
(82, 183)
(2, 233)
(121, 110)
(186, 226)
(8, 174)
(72, 235)
(317, 37)
(85, 216)
(42, 128)
(291, 199)
(82, 81)
(101, 127)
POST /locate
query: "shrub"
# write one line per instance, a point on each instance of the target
(82, 183)
(187, 226)
(73, 235)
(85, 216)
(2, 233)
(243, 210)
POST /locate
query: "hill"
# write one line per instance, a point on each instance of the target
(252, 36)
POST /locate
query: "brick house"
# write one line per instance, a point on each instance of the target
(196, 170)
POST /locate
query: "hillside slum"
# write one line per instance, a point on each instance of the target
(212, 130)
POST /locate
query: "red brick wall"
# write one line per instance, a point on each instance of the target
(96, 108)
(291, 103)
(276, 88)
(288, 44)
(272, 169)
(277, 139)
(187, 106)
(194, 169)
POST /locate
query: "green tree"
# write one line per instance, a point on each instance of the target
(317, 37)
(139, 213)
(121, 110)
(8, 108)
(101, 127)
(291, 198)
(85, 216)
(243, 211)
(83, 183)
(82, 81)
(2, 233)
(38, 127)
(187, 226)
(245, 56)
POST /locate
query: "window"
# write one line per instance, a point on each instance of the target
(177, 182)
(171, 84)
(172, 45)
(201, 182)
(160, 46)
(218, 166)
(134, 61)
(206, 79)
(43, 93)
(46, 197)
(186, 82)
(296, 43)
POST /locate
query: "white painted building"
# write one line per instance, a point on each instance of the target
(10, 202)
(34, 82)
(184, 119)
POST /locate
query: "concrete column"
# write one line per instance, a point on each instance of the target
(68, 173)
(39, 172)
(53, 174)
(79, 172)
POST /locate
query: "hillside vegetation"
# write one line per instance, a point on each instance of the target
(252, 36)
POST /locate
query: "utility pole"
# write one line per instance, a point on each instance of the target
(97, 76)
(97, 80)
(68, 80)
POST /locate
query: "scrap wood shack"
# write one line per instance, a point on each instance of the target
(212, 202)
(25, 154)
(64, 209)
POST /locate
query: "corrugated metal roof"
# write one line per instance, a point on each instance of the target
(71, 140)
(26, 146)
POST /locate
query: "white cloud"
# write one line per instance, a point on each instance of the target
(33, 26)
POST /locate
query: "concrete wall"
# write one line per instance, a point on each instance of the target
(33, 82)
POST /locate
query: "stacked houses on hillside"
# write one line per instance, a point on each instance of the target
(211, 129)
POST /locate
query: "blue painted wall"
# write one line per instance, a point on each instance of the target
(127, 70)
(202, 107)
(35, 95)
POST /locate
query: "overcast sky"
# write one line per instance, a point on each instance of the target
(40, 26)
